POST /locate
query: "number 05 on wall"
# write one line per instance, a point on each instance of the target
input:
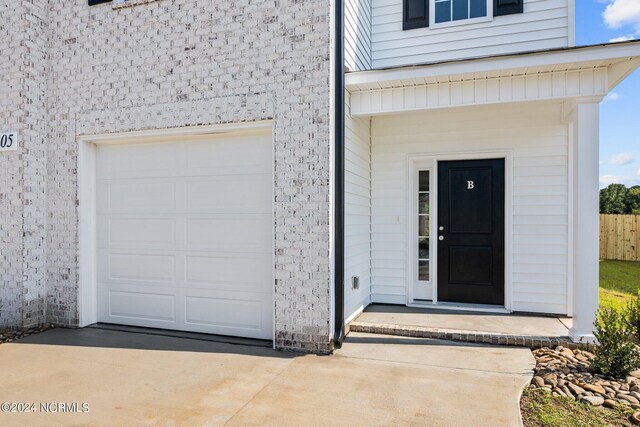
(8, 141)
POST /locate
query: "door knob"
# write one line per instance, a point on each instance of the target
(440, 237)
(441, 228)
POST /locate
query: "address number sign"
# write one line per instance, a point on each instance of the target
(8, 141)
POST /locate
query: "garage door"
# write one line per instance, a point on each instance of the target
(184, 235)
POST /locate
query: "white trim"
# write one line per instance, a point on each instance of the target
(579, 56)
(434, 158)
(87, 286)
(355, 314)
(273, 232)
(473, 90)
(585, 217)
(571, 28)
(415, 165)
(181, 132)
(570, 201)
(87, 148)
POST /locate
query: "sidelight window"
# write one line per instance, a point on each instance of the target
(423, 225)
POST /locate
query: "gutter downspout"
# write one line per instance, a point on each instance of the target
(338, 211)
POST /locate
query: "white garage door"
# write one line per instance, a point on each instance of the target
(184, 235)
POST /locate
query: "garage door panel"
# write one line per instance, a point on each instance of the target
(230, 194)
(185, 235)
(229, 313)
(137, 160)
(224, 313)
(138, 267)
(137, 305)
(205, 232)
(136, 196)
(242, 233)
(198, 310)
(128, 232)
(240, 273)
(223, 159)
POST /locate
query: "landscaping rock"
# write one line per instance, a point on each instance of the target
(610, 403)
(538, 381)
(10, 336)
(568, 373)
(594, 388)
(627, 398)
(575, 389)
(593, 400)
(550, 378)
(567, 392)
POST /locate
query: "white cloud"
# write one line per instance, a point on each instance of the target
(621, 39)
(621, 159)
(628, 180)
(613, 96)
(622, 12)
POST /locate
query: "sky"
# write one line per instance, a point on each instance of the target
(602, 21)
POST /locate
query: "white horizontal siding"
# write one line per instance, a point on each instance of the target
(538, 141)
(357, 212)
(543, 25)
(357, 34)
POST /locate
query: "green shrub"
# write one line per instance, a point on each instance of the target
(615, 355)
(632, 316)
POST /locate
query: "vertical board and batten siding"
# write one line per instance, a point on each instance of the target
(619, 237)
(538, 142)
(357, 35)
(543, 25)
(357, 211)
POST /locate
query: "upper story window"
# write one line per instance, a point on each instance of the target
(456, 10)
(422, 13)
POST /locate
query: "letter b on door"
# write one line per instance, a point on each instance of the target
(470, 185)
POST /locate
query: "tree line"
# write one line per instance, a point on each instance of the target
(618, 199)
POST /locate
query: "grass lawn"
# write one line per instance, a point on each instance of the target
(540, 409)
(619, 281)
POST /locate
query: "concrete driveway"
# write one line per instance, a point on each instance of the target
(138, 379)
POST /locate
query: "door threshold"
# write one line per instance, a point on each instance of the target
(456, 306)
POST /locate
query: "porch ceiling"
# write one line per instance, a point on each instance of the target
(568, 73)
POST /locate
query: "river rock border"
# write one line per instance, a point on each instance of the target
(568, 372)
(13, 335)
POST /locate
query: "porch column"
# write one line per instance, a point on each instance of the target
(585, 216)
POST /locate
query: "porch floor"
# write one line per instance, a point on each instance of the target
(500, 329)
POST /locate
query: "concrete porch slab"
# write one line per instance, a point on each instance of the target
(493, 328)
(140, 379)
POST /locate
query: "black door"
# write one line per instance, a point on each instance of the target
(471, 231)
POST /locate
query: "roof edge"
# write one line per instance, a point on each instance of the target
(598, 52)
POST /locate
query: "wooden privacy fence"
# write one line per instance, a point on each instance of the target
(619, 237)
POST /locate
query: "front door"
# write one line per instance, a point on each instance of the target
(471, 231)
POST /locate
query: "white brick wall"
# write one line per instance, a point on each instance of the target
(173, 63)
(23, 36)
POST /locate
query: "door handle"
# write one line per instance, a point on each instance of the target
(440, 237)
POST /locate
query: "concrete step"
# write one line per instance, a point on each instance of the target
(493, 338)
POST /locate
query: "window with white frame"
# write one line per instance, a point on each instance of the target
(457, 10)
(423, 13)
